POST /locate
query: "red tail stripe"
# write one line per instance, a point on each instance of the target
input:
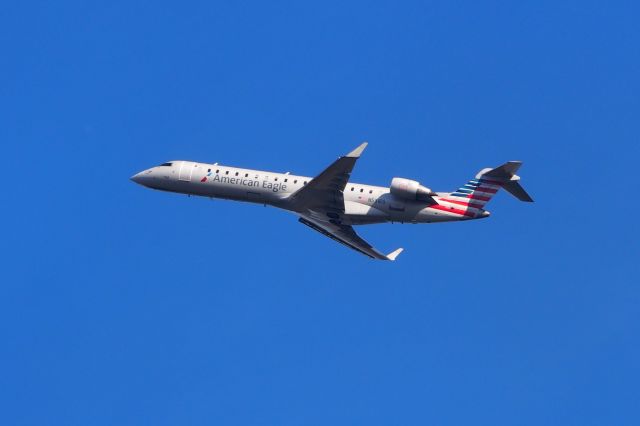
(479, 197)
(452, 210)
(462, 203)
(475, 197)
(487, 190)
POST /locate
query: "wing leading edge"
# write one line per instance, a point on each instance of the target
(324, 192)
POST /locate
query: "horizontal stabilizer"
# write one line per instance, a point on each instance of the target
(515, 189)
(505, 171)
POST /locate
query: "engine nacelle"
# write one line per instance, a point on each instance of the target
(411, 190)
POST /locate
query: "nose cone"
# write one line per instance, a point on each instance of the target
(137, 178)
(143, 178)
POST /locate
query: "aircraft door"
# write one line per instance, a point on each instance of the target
(186, 171)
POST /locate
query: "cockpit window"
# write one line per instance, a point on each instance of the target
(166, 164)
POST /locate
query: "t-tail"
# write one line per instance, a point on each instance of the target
(477, 192)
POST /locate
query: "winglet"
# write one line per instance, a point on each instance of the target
(394, 254)
(358, 151)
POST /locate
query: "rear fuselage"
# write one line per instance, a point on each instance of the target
(364, 204)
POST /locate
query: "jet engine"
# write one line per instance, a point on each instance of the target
(411, 190)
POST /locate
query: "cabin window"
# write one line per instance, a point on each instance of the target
(246, 175)
(361, 189)
(305, 182)
(295, 181)
(227, 172)
(352, 188)
(276, 179)
(371, 191)
(286, 180)
(236, 173)
(208, 170)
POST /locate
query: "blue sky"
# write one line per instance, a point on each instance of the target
(121, 305)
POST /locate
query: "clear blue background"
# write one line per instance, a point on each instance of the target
(125, 306)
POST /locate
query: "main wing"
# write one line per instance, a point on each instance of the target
(324, 192)
(320, 205)
(346, 235)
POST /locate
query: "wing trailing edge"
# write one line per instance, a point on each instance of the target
(347, 236)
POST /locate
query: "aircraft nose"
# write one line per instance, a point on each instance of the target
(142, 178)
(137, 178)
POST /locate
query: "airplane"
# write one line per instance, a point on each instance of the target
(330, 204)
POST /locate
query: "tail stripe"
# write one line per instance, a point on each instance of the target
(485, 182)
(471, 196)
(453, 210)
(462, 203)
(488, 185)
(479, 197)
(487, 190)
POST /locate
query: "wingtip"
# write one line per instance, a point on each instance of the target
(358, 151)
(392, 256)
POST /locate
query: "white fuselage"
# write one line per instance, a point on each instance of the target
(364, 204)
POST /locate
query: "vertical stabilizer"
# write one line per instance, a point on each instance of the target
(479, 191)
